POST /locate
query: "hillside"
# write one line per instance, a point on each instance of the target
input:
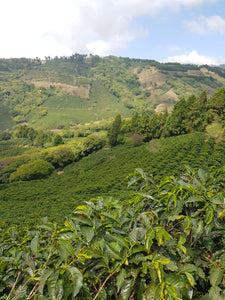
(130, 207)
(74, 90)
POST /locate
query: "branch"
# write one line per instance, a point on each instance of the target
(101, 287)
(13, 285)
(21, 289)
(33, 292)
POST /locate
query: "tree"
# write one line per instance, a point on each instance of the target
(58, 140)
(114, 131)
(60, 156)
(196, 113)
(217, 103)
(175, 121)
(92, 143)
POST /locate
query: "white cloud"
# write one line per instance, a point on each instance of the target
(54, 27)
(193, 58)
(203, 25)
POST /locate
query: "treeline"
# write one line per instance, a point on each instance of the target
(41, 147)
(190, 115)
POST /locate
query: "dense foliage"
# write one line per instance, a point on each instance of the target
(60, 91)
(165, 243)
(101, 173)
(34, 170)
(160, 239)
(191, 115)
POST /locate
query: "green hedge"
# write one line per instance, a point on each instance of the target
(34, 170)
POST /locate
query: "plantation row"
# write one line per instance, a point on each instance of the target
(104, 173)
(164, 243)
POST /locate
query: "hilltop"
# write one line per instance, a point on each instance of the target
(53, 93)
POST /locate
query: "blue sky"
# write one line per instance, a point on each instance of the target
(186, 31)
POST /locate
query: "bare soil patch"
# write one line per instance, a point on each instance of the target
(81, 91)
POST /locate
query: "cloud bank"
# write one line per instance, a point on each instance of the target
(31, 28)
(203, 25)
(193, 58)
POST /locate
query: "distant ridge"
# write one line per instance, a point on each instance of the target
(60, 91)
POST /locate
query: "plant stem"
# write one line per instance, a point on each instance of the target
(13, 285)
(33, 292)
(21, 289)
(101, 287)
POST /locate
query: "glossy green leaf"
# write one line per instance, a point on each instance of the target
(67, 247)
(149, 236)
(116, 246)
(198, 229)
(172, 292)
(161, 236)
(221, 214)
(163, 260)
(52, 281)
(121, 240)
(44, 277)
(111, 217)
(194, 199)
(176, 280)
(88, 232)
(190, 278)
(120, 278)
(34, 244)
(216, 275)
(150, 292)
(111, 253)
(214, 293)
(126, 289)
(202, 175)
(188, 268)
(201, 273)
(77, 280)
(137, 234)
(172, 266)
(209, 215)
(137, 258)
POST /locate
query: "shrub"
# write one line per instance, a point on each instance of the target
(34, 170)
(93, 143)
(5, 135)
(60, 156)
(58, 140)
(137, 139)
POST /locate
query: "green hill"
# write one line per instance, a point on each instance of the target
(121, 208)
(78, 89)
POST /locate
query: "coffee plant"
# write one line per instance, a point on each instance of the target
(167, 242)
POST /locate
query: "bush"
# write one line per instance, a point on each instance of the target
(58, 140)
(34, 170)
(137, 139)
(93, 143)
(60, 156)
(5, 135)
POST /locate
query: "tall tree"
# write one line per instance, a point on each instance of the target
(175, 121)
(114, 131)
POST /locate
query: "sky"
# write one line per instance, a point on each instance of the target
(184, 31)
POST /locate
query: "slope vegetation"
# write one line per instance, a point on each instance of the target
(78, 89)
